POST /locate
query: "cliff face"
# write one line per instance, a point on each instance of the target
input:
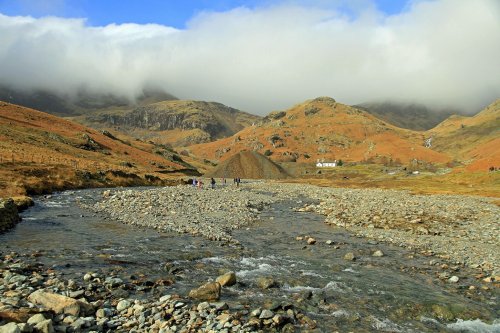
(8, 214)
(197, 120)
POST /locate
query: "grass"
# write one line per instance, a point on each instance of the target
(373, 176)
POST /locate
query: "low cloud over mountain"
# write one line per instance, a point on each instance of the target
(442, 53)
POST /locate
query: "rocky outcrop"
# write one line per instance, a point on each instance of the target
(213, 119)
(9, 215)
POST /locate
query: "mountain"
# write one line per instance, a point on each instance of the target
(83, 103)
(326, 130)
(248, 164)
(411, 116)
(40, 152)
(176, 122)
(474, 140)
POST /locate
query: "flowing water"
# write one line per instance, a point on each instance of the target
(398, 292)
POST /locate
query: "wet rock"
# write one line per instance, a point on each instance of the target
(9, 215)
(227, 279)
(349, 256)
(311, 241)
(442, 312)
(266, 282)
(207, 292)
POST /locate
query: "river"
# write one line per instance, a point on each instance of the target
(397, 292)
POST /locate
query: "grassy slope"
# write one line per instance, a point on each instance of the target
(474, 140)
(40, 153)
(330, 131)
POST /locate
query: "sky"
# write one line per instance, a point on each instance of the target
(257, 55)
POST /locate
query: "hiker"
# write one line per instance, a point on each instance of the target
(238, 181)
(200, 184)
(194, 182)
(212, 182)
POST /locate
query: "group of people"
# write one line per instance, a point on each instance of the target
(199, 183)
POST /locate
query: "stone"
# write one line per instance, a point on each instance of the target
(10, 328)
(228, 279)
(329, 242)
(266, 314)
(378, 253)
(45, 326)
(101, 313)
(17, 315)
(38, 318)
(255, 313)
(9, 214)
(57, 303)
(453, 279)
(208, 292)
(123, 305)
(350, 256)
(311, 241)
(266, 282)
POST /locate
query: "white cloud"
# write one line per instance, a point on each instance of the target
(442, 53)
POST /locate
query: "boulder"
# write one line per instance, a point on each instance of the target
(17, 315)
(9, 215)
(378, 253)
(10, 328)
(227, 279)
(208, 292)
(23, 202)
(35, 319)
(266, 282)
(58, 303)
(45, 326)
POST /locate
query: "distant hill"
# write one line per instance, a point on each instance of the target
(411, 116)
(82, 103)
(326, 130)
(249, 165)
(475, 140)
(40, 152)
(176, 122)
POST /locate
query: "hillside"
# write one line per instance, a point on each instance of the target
(326, 130)
(474, 140)
(176, 122)
(83, 103)
(411, 116)
(40, 153)
(250, 165)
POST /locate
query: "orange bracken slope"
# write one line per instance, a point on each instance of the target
(327, 130)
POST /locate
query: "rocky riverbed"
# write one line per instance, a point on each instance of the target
(449, 257)
(461, 228)
(36, 299)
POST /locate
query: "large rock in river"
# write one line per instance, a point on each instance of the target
(208, 292)
(9, 215)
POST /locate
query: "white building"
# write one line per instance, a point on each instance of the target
(323, 164)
